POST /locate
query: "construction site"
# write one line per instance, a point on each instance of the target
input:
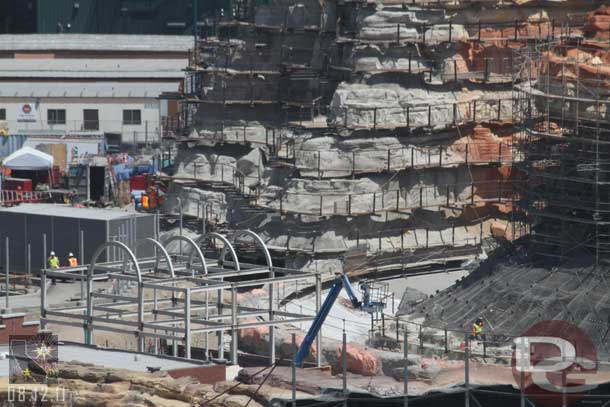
(349, 203)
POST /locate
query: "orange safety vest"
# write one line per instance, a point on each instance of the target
(72, 261)
(145, 201)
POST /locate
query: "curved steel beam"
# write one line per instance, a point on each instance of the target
(121, 246)
(227, 245)
(159, 246)
(259, 241)
(195, 247)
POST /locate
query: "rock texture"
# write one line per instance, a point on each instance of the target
(373, 123)
(88, 385)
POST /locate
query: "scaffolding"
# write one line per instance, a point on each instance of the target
(564, 142)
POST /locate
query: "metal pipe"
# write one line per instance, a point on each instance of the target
(344, 366)
(220, 310)
(88, 324)
(294, 371)
(187, 323)
(467, 371)
(207, 314)
(43, 299)
(234, 325)
(29, 259)
(180, 219)
(6, 270)
(87, 169)
(140, 317)
(81, 238)
(405, 373)
(318, 304)
(156, 345)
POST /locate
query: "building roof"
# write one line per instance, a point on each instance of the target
(67, 211)
(92, 68)
(95, 42)
(71, 89)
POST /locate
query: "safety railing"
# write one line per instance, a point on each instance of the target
(431, 34)
(140, 132)
(348, 203)
(423, 115)
(13, 197)
(333, 163)
(397, 200)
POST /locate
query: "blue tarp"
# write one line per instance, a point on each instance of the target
(10, 144)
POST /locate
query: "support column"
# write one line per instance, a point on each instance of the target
(405, 379)
(140, 317)
(43, 299)
(89, 323)
(233, 325)
(467, 371)
(187, 323)
(344, 366)
(156, 345)
(7, 272)
(206, 340)
(293, 369)
(87, 169)
(81, 247)
(318, 303)
(220, 311)
(271, 327)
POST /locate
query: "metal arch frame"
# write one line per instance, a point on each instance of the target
(89, 318)
(120, 245)
(192, 243)
(159, 246)
(223, 253)
(259, 241)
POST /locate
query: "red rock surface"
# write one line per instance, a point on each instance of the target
(598, 23)
(360, 361)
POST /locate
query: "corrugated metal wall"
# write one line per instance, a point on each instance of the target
(129, 230)
(62, 236)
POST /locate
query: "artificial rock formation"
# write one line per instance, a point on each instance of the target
(328, 125)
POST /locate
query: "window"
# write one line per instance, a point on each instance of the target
(132, 117)
(56, 116)
(91, 119)
(2, 114)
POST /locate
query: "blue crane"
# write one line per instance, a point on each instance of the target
(341, 281)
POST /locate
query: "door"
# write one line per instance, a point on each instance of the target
(91, 119)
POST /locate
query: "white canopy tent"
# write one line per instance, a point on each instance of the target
(28, 158)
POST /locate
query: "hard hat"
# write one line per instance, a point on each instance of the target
(70, 254)
(52, 253)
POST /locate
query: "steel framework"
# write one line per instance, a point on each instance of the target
(187, 292)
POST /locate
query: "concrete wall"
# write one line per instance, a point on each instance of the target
(110, 113)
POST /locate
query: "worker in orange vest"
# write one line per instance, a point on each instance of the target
(144, 200)
(72, 261)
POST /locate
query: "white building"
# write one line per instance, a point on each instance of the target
(90, 84)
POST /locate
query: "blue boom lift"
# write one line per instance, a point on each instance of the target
(341, 281)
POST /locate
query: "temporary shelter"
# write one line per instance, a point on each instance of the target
(30, 159)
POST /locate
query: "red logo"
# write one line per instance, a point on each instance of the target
(554, 363)
(26, 109)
